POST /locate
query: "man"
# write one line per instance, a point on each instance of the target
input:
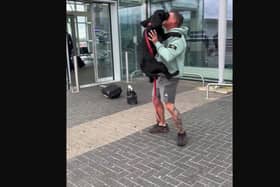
(172, 54)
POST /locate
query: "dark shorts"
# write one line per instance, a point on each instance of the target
(166, 89)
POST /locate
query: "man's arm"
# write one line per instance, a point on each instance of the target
(170, 52)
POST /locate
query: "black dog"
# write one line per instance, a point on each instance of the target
(149, 65)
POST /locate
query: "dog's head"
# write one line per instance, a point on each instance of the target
(156, 19)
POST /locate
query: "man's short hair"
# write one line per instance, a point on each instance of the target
(178, 17)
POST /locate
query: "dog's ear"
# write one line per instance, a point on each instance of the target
(145, 22)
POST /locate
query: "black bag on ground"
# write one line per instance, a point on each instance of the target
(112, 91)
(131, 95)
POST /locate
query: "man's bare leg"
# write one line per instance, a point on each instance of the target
(159, 109)
(176, 116)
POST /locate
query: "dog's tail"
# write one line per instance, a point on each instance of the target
(175, 73)
(170, 75)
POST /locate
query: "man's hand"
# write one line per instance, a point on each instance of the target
(153, 36)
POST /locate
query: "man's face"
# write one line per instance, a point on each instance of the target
(170, 22)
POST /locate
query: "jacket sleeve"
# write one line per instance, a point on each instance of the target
(172, 50)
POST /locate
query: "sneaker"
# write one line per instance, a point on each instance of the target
(181, 141)
(159, 129)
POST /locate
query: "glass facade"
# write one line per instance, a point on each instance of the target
(131, 13)
(201, 16)
(89, 26)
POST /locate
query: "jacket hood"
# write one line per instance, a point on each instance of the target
(183, 30)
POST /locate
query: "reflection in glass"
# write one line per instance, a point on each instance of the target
(102, 29)
(130, 16)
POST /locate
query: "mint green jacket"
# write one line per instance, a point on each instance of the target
(172, 51)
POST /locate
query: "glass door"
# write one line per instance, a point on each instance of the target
(91, 27)
(102, 42)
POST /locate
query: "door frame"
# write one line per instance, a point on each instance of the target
(115, 44)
